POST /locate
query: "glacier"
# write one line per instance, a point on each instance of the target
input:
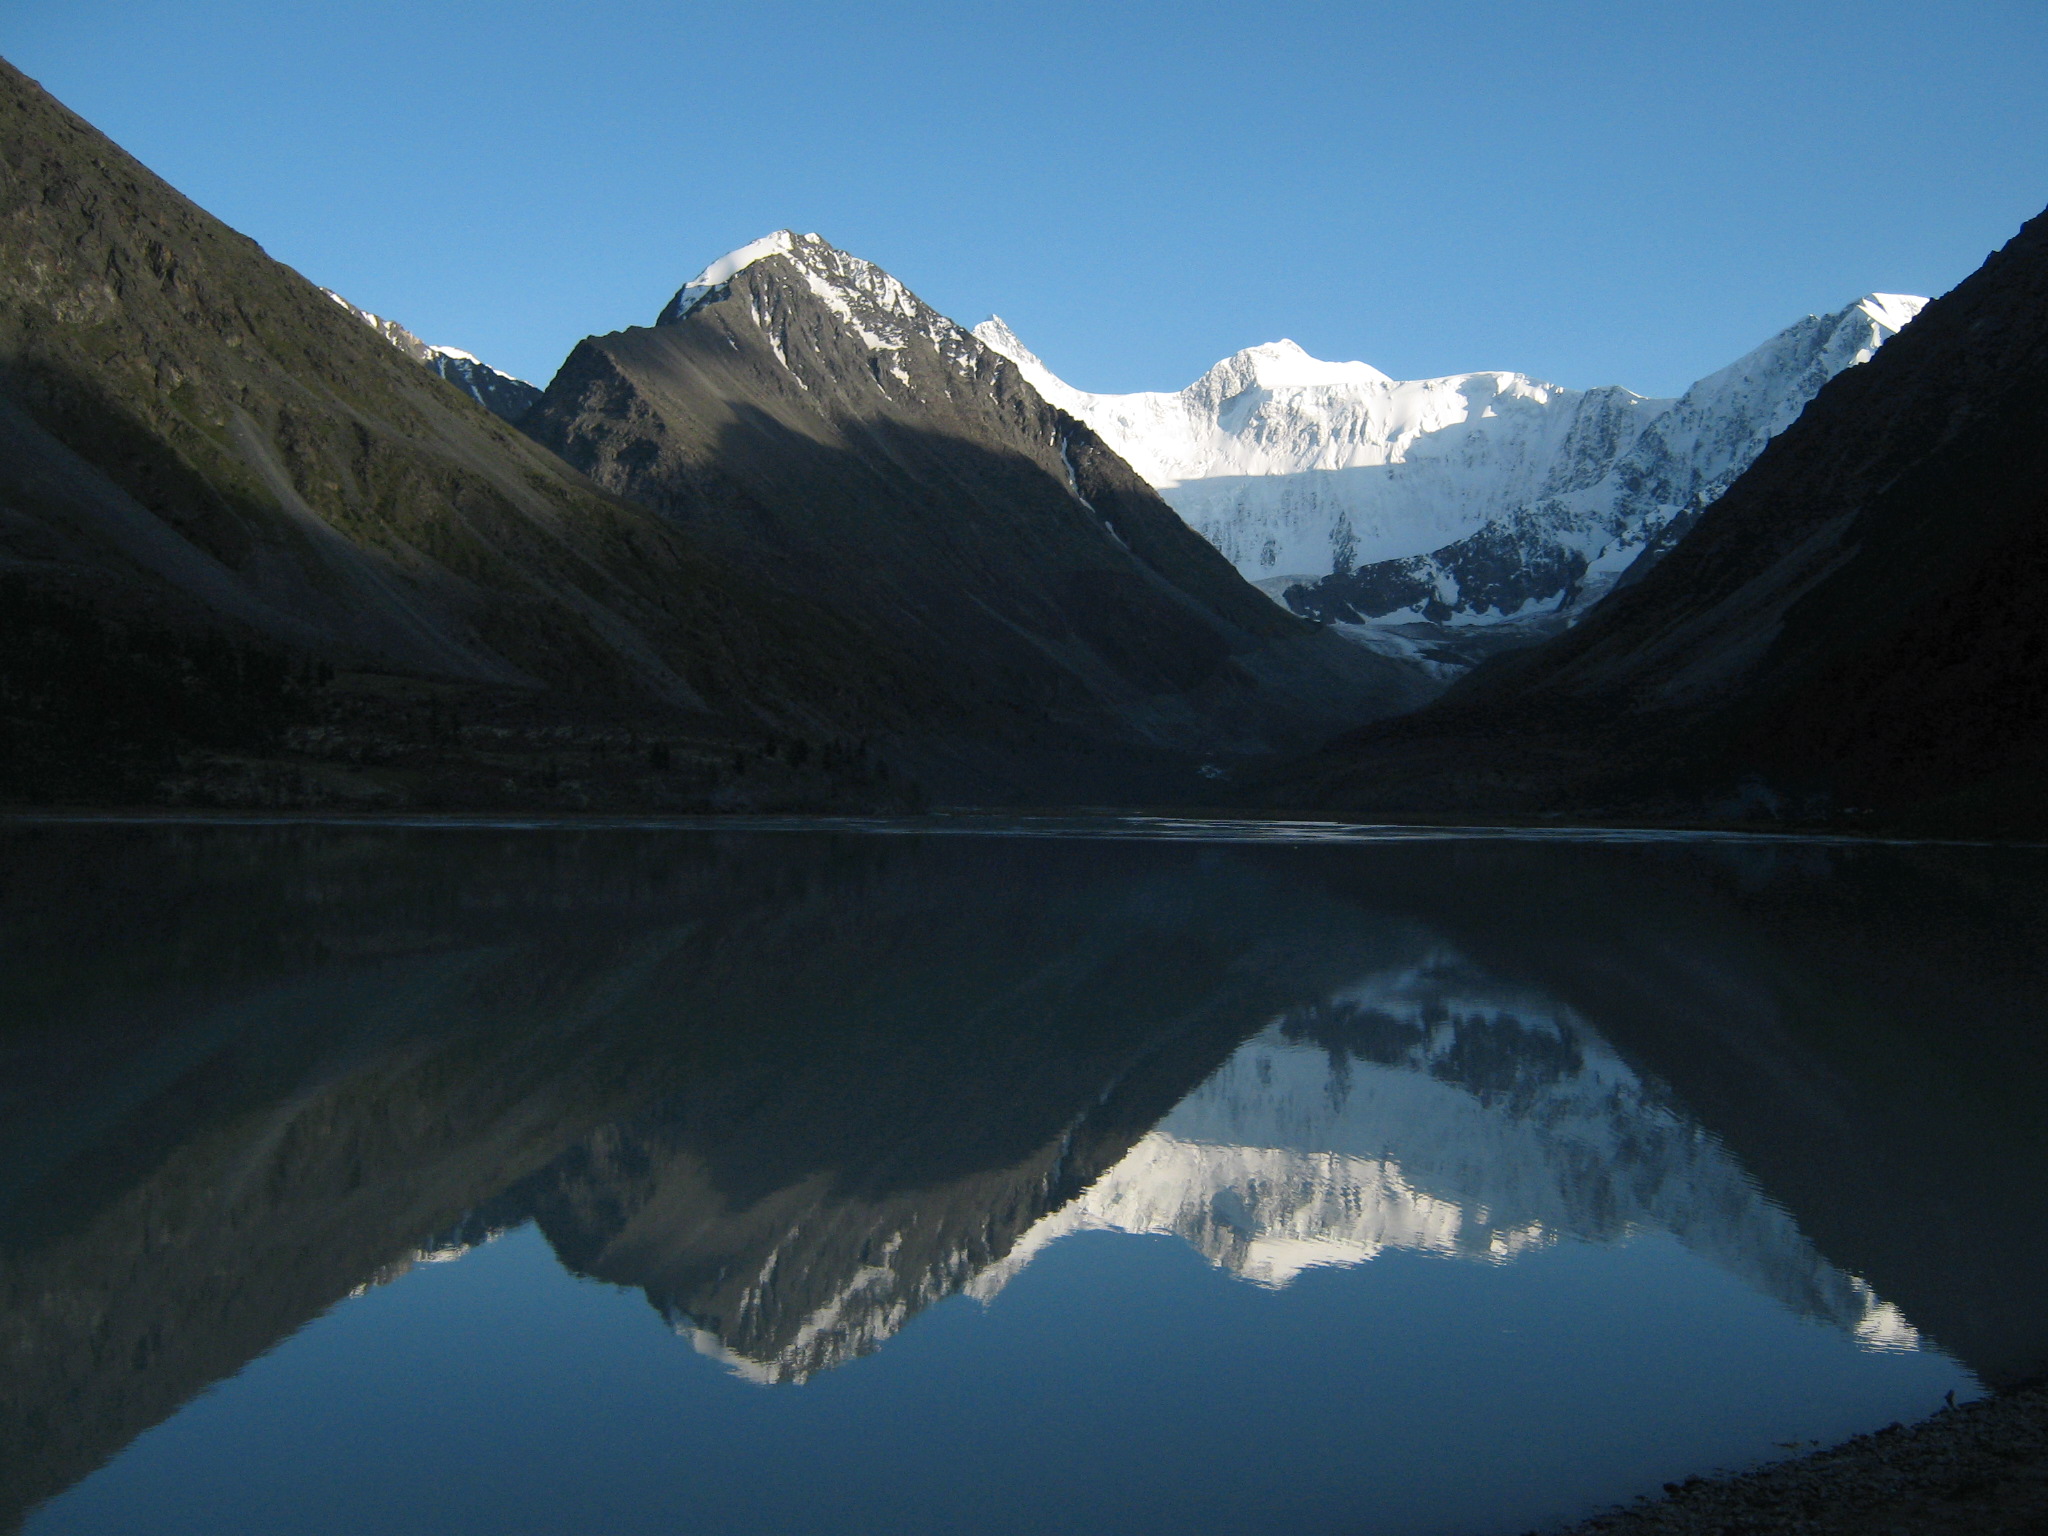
(1417, 507)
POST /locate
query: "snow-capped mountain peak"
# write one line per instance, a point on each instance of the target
(1275, 411)
(995, 332)
(722, 271)
(1465, 499)
(1283, 364)
(863, 297)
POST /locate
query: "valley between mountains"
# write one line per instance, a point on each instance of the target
(805, 544)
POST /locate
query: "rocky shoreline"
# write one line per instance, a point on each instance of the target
(1968, 1471)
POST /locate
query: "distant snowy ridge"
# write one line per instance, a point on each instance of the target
(496, 391)
(1460, 500)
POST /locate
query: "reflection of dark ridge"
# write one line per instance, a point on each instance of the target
(1498, 1058)
(676, 1205)
(1494, 1056)
(246, 1071)
(1025, 1085)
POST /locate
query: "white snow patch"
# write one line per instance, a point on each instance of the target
(419, 351)
(1893, 311)
(726, 268)
(1883, 1328)
(732, 263)
(859, 294)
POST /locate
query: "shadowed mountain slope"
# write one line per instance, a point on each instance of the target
(219, 490)
(816, 424)
(1857, 630)
(202, 455)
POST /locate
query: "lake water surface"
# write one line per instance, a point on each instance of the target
(1031, 1177)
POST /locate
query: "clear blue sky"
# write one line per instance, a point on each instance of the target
(1594, 193)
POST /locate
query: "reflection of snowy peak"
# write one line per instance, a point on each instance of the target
(1426, 1111)
(1469, 498)
(1265, 1213)
(499, 393)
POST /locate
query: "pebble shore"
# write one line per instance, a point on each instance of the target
(1974, 1470)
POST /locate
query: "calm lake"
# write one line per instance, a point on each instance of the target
(1003, 1178)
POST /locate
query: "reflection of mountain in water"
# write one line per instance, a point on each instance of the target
(1434, 1112)
(1426, 1109)
(799, 1088)
(244, 1073)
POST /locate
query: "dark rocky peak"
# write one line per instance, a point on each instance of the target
(857, 291)
(252, 553)
(874, 321)
(1018, 581)
(498, 392)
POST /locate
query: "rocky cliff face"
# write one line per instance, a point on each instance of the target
(504, 396)
(809, 418)
(1854, 631)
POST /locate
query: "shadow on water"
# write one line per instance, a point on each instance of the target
(797, 1088)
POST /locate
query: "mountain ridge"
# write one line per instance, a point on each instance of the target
(501, 394)
(1417, 515)
(254, 555)
(257, 555)
(1850, 635)
(805, 414)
